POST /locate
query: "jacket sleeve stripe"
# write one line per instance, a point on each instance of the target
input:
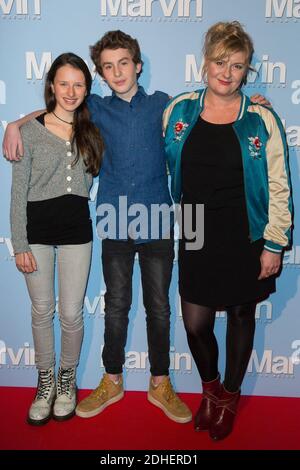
(278, 179)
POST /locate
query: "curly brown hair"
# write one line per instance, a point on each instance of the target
(115, 40)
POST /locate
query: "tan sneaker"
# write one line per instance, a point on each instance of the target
(104, 395)
(166, 399)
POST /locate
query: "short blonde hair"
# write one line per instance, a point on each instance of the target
(225, 38)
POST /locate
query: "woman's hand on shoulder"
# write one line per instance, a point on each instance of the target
(25, 262)
(270, 264)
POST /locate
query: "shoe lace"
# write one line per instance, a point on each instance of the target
(45, 383)
(65, 381)
(169, 392)
(101, 390)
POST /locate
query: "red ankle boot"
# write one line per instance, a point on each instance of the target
(211, 393)
(224, 414)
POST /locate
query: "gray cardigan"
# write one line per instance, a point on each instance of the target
(44, 172)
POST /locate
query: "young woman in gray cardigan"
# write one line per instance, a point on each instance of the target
(50, 219)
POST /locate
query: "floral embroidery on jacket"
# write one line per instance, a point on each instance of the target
(254, 147)
(179, 130)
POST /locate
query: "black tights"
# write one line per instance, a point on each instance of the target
(199, 324)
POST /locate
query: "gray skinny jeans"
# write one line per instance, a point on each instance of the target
(73, 265)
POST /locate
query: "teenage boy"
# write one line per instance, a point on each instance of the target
(134, 166)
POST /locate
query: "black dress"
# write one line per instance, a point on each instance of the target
(225, 271)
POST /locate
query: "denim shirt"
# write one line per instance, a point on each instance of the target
(134, 162)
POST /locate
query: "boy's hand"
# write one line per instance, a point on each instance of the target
(260, 99)
(12, 145)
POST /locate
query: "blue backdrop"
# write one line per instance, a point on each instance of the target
(170, 32)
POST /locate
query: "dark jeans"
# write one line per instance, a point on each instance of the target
(156, 262)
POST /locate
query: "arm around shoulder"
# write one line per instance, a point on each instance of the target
(12, 145)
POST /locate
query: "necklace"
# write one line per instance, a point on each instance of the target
(67, 122)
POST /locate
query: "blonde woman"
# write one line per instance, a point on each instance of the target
(230, 155)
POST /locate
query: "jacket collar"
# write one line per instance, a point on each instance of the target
(245, 101)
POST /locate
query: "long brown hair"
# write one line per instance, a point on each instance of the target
(85, 134)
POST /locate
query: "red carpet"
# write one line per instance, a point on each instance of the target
(133, 423)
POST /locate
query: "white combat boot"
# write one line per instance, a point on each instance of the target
(41, 408)
(65, 403)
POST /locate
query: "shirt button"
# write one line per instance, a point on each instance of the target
(69, 189)
(68, 167)
(69, 178)
(132, 184)
(68, 143)
(69, 154)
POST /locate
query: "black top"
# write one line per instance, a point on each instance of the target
(225, 270)
(63, 220)
(212, 171)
